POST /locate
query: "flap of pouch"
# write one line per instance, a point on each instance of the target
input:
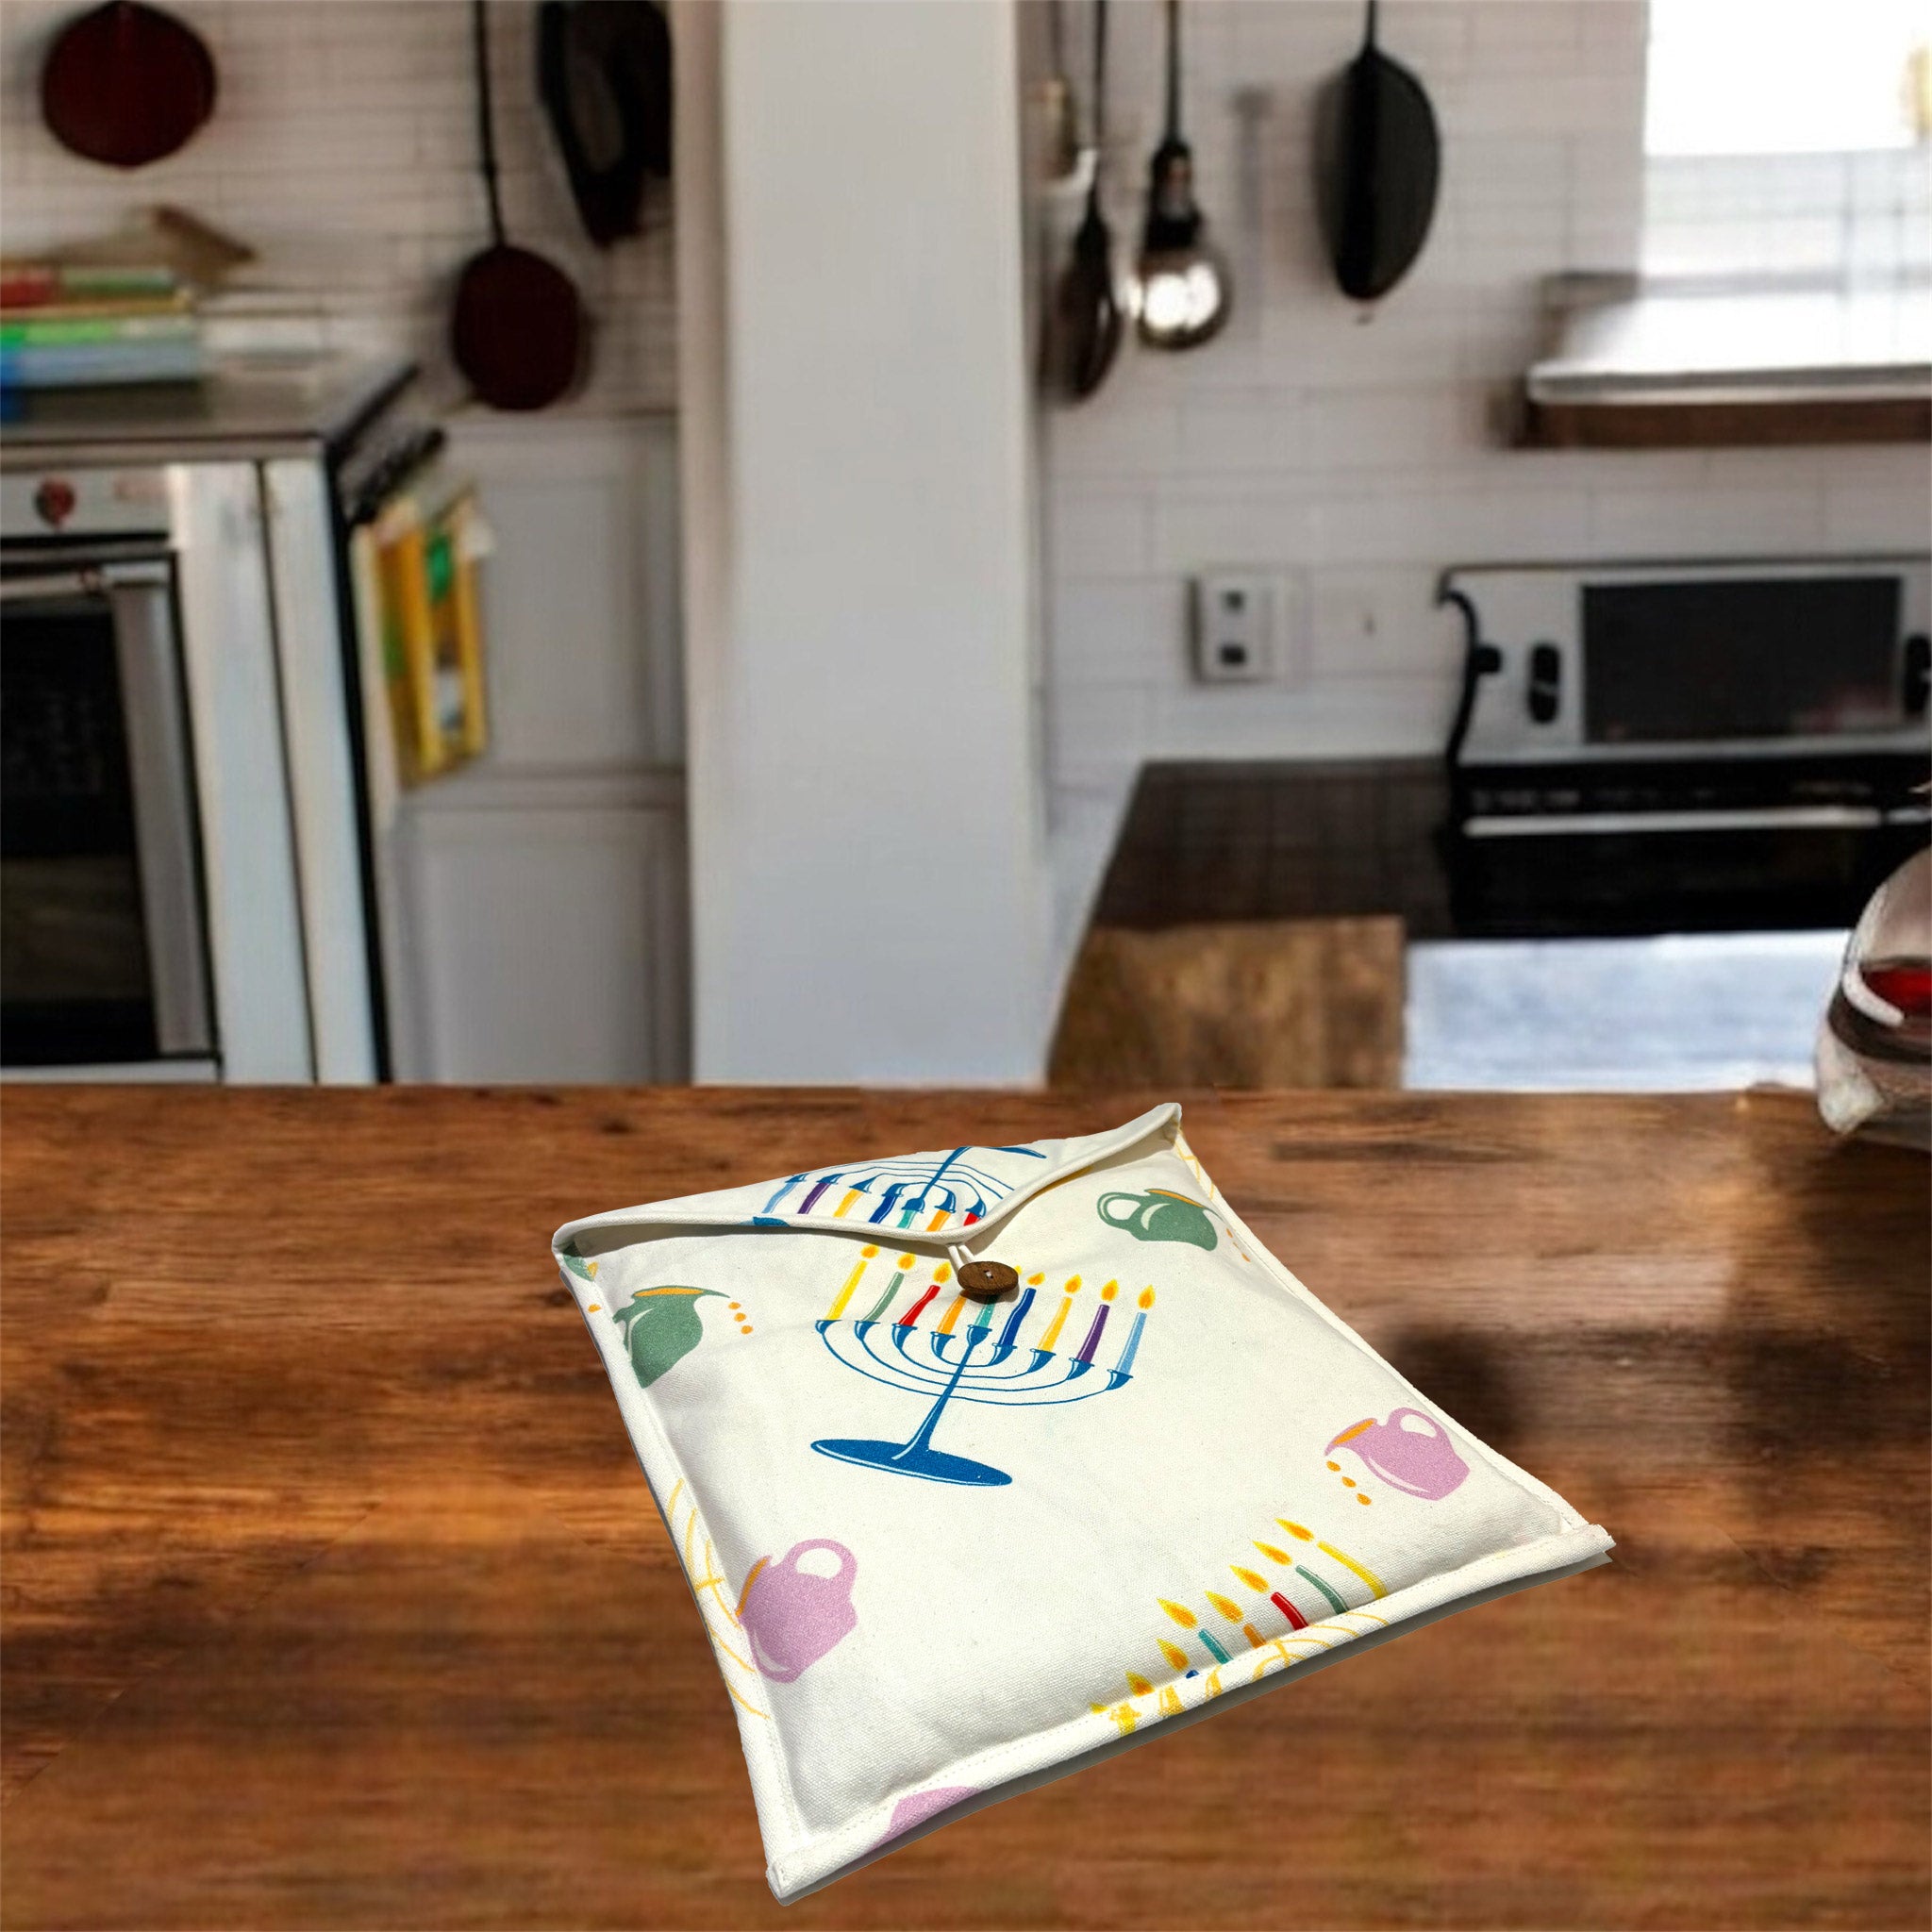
(946, 1196)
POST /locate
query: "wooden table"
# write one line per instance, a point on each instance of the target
(333, 1596)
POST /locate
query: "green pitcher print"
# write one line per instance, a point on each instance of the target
(660, 1329)
(1158, 1216)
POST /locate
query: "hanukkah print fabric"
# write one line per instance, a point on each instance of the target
(944, 1547)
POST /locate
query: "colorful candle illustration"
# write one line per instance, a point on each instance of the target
(1052, 1327)
(918, 1309)
(1128, 1354)
(853, 1195)
(904, 1266)
(1009, 1334)
(1188, 1620)
(866, 1254)
(1303, 1570)
(1085, 1352)
(957, 1360)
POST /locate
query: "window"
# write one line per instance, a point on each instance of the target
(1789, 138)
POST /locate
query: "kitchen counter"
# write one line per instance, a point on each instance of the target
(240, 410)
(334, 1595)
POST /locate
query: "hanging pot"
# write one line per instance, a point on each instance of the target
(517, 328)
(127, 85)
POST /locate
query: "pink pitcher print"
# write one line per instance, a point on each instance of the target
(1411, 1451)
(794, 1615)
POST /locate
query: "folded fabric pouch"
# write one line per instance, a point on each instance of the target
(948, 1547)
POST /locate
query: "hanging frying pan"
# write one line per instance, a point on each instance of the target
(126, 84)
(604, 72)
(517, 330)
(1377, 166)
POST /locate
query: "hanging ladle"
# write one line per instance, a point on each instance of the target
(1180, 281)
(1085, 334)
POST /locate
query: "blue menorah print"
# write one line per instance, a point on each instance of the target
(913, 1185)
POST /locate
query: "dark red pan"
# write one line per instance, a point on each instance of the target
(517, 330)
(126, 84)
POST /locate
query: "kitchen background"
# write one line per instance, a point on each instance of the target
(1340, 455)
(343, 150)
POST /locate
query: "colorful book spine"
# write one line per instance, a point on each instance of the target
(25, 332)
(88, 365)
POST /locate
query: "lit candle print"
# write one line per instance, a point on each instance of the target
(982, 1318)
(903, 1265)
(1128, 1352)
(866, 1254)
(1303, 1570)
(1085, 1352)
(1233, 1613)
(1052, 1327)
(1010, 1333)
(1173, 1654)
(938, 1221)
(918, 1309)
(952, 1314)
(1138, 1684)
(1188, 1620)
(853, 1195)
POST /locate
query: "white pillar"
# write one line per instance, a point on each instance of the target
(868, 873)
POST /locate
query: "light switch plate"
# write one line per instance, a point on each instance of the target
(1236, 622)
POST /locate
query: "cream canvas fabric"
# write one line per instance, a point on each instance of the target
(946, 1549)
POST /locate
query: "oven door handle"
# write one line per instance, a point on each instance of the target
(161, 772)
(85, 580)
(1768, 818)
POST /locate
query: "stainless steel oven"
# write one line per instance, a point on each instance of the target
(1687, 747)
(191, 867)
(103, 941)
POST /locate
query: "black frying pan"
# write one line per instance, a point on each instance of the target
(126, 84)
(1378, 162)
(517, 330)
(603, 73)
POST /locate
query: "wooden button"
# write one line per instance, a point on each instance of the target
(986, 1281)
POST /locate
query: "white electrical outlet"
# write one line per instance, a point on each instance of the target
(1235, 624)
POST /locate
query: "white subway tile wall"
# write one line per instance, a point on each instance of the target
(1353, 451)
(343, 149)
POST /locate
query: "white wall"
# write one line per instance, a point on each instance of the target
(868, 867)
(343, 149)
(1354, 450)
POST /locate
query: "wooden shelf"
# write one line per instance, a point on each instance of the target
(1702, 422)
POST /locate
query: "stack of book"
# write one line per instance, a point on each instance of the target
(71, 325)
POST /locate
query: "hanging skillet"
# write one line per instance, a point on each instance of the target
(1377, 165)
(126, 84)
(1084, 331)
(517, 329)
(603, 73)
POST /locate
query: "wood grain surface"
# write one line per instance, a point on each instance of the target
(333, 1596)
